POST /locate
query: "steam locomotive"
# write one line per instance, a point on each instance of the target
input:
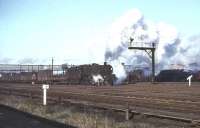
(84, 74)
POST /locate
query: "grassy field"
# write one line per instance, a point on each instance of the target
(84, 117)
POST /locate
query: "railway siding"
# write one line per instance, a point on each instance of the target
(149, 106)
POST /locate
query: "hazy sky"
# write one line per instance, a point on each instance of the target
(73, 31)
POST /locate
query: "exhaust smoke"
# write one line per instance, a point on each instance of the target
(170, 49)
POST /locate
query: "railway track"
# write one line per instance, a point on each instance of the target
(181, 110)
(140, 98)
(169, 93)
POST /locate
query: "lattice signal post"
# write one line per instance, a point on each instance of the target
(150, 50)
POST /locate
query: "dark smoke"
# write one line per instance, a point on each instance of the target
(110, 56)
(171, 49)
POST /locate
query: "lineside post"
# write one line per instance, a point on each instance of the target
(45, 87)
(127, 112)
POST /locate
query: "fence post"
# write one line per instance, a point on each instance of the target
(127, 112)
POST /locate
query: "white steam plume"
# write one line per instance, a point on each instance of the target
(97, 79)
(132, 24)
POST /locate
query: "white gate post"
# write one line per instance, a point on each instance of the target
(45, 87)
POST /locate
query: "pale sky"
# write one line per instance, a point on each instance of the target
(74, 31)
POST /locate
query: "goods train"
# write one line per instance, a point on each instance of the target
(93, 74)
(177, 75)
(82, 74)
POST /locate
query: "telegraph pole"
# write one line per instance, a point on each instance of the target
(52, 70)
(150, 51)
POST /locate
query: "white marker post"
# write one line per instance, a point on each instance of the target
(45, 87)
(189, 79)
